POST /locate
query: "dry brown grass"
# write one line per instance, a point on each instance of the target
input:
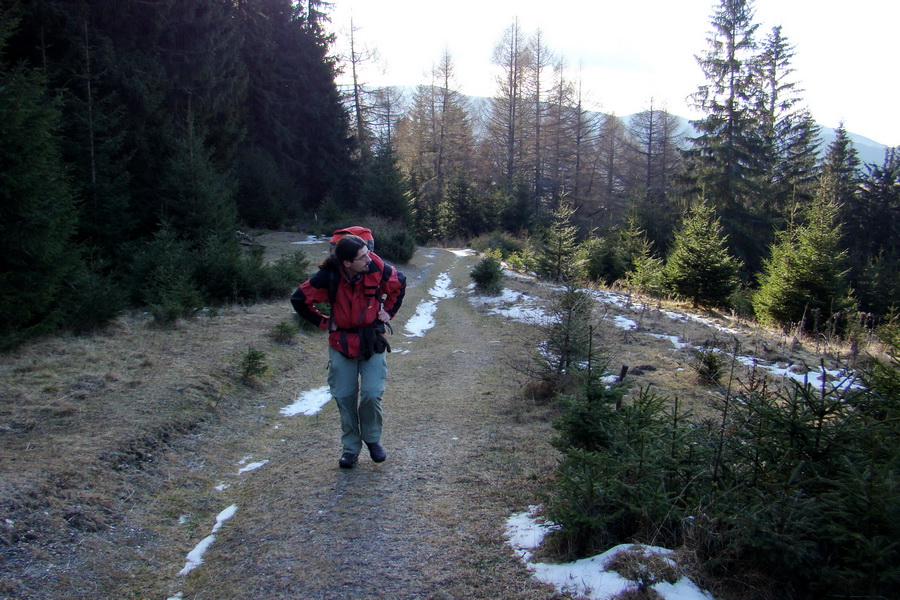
(645, 568)
(113, 446)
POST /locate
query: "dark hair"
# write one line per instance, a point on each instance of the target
(346, 249)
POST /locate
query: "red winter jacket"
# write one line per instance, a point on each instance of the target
(355, 303)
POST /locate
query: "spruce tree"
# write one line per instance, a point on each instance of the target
(644, 268)
(841, 168)
(788, 134)
(874, 242)
(722, 160)
(296, 125)
(647, 272)
(611, 257)
(267, 188)
(95, 133)
(804, 279)
(196, 198)
(599, 258)
(877, 208)
(559, 246)
(876, 284)
(461, 212)
(700, 266)
(568, 336)
(38, 215)
(199, 43)
(385, 189)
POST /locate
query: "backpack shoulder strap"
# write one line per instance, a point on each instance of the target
(333, 281)
(385, 275)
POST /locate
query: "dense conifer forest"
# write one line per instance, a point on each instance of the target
(138, 137)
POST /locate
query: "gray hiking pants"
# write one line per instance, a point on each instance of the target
(357, 386)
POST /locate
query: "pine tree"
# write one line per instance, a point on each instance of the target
(700, 266)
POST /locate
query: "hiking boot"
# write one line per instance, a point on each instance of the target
(376, 451)
(348, 460)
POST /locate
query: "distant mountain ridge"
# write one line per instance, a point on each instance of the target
(868, 150)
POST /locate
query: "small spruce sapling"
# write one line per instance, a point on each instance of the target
(488, 275)
(253, 365)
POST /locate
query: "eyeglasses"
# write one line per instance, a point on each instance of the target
(363, 258)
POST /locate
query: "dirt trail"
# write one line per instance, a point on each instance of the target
(105, 488)
(428, 522)
(119, 450)
(425, 524)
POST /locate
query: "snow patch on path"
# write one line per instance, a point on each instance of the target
(513, 305)
(311, 239)
(587, 577)
(195, 556)
(309, 402)
(423, 320)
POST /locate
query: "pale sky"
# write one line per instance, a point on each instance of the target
(633, 50)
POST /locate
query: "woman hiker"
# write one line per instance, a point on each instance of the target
(364, 293)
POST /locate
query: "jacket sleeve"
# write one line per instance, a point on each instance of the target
(311, 292)
(395, 288)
